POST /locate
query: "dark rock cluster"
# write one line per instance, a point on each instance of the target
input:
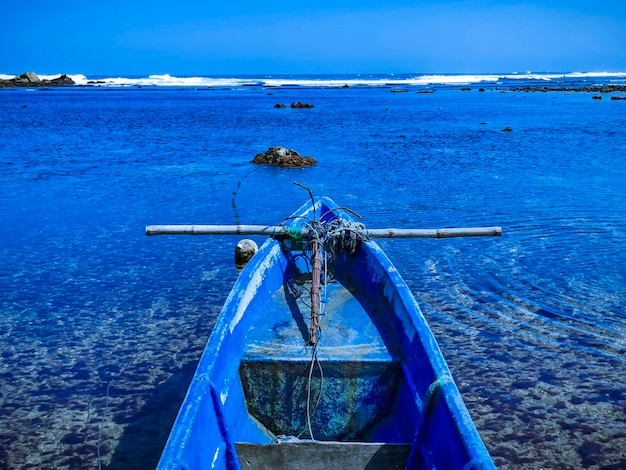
(30, 79)
(300, 104)
(284, 158)
(589, 89)
(297, 104)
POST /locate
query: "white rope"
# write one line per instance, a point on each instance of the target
(106, 407)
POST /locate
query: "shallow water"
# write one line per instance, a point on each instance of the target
(101, 327)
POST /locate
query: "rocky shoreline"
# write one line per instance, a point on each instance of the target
(30, 79)
(587, 89)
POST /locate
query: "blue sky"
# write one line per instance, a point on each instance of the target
(273, 37)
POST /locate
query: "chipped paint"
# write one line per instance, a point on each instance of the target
(215, 457)
(250, 292)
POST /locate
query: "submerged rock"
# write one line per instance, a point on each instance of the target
(284, 158)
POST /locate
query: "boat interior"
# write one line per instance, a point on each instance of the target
(350, 395)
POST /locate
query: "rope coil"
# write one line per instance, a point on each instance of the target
(343, 236)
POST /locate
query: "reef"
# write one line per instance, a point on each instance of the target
(583, 89)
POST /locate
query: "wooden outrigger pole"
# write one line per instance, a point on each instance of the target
(278, 231)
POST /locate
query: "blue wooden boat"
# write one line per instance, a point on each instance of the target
(364, 385)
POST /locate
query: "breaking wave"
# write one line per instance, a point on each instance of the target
(364, 80)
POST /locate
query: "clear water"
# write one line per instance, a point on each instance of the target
(101, 327)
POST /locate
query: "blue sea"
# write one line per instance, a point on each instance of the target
(101, 326)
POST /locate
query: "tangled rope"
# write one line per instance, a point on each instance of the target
(335, 237)
(343, 236)
(326, 240)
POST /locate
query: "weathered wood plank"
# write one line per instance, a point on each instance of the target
(319, 455)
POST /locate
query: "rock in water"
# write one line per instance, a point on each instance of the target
(63, 80)
(284, 158)
(30, 79)
(300, 104)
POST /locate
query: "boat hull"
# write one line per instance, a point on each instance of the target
(375, 388)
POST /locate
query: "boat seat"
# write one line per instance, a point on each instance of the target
(316, 455)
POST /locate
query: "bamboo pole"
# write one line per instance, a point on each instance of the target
(435, 232)
(215, 230)
(279, 231)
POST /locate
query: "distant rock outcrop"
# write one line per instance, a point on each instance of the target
(63, 80)
(30, 79)
(284, 158)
